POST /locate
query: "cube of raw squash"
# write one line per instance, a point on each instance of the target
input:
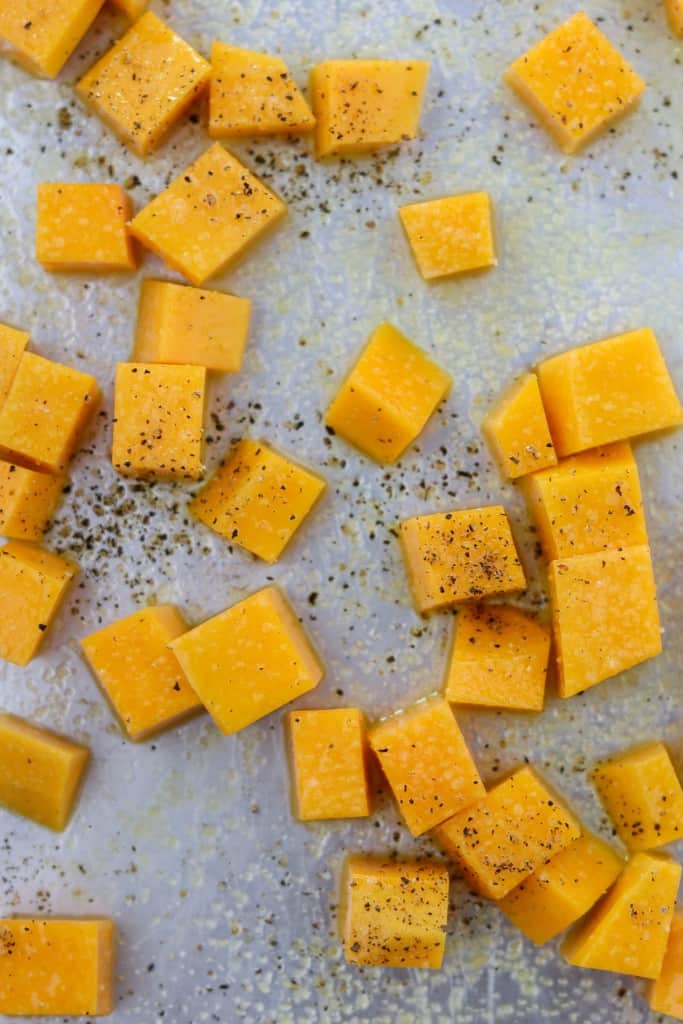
(388, 396)
(452, 235)
(258, 499)
(138, 674)
(627, 931)
(517, 430)
(33, 583)
(329, 767)
(191, 326)
(608, 391)
(575, 82)
(159, 421)
(666, 992)
(427, 763)
(499, 658)
(132, 8)
(12, 346)
(393, 913)
(145, 83)
(40, 36)
(208, 216)
(254, 94)
(508, 834)
(605, 615)
(40, 772)
(83, 227)
(360, 105)
(674, 9)
(563, 890)
(462, 555)
(248, 660)
(27, 501)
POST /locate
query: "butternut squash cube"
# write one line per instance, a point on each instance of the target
(248, 660)
(83, 227)
(159, 421)
(517, 430)
(605, 615)
(508, 834)
(608, 391)
(361, 105)
(40, 772)
(388, 396)
(180, 324)
(328, 757)
(563, 890)
(627, 931)
(41, 37)
(674, 9)
(666, 992)
(258, 499)
(427, 763)
(56, 967)
(451, 235)
(575, 82)
(393, 913)
(33, 583)
(131, 8)
(499, 658)
(208, 216)
(254, 94)
(138, 674)
(27, 501)
(12, 346)
(462, 555)
(145, 83)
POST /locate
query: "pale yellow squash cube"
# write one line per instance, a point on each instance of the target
(83, 227)
(451, 235)
(517, 430)
(666, 992)
(328, 755)
(12, 347)
(42, 36)
(33, 584)
(27, 501)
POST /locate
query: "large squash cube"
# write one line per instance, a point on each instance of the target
(499, 658)
(674, 10)
(666, 992)
(208, 216)
(145, 83)
(460, 556)
(138, 674)
(608, 391)
(605, 615)
(27, 501)
(12, 347)
(508, 834)
(248, 660)
(159, 421)
(451, 235)
(627, 931)
(83, 227)
(329, 763)
(389, 395)
(393, 913)
(258, 499)
(575, 82)
(427, 763)
(517, 430)
(40, 772)
(42, 36)
(360, 105)
(33, 583)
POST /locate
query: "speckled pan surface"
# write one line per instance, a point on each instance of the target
(224, 902)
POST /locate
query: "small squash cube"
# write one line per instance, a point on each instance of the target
(508, 834)
(393, 913)
(131, 8)
(499, 658)
(460, 556)
(248, 660)
(145, 83)
(40, 772)
(627, 931)
(575, 82)
(674, 10)
(517, 430)
(138, 674)
(33, 583)
(27, 501)
(329, 767)
(666, 992)
(427, 762)
(208, 216)
(451, 235)
(42, 36)
(83, 227)
(12, 347)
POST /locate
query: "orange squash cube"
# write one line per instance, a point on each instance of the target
(41, 36)
(517, 430)
(83, 227)
(33, 583)
(674, 10)
(12, 347)
(329, 767)
(451, 235)
(27, 501)
(666, 992)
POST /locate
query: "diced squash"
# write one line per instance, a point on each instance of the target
(132, 8)
(42, 36)
(499, 658)
(627, 931)
(451, 235)
(608, 391)
(388, 396)
(83, 227)
(674, 9)
(517, 430)
(605, 615)
(393, 913)
(508, 834)
(575, 82)
(666, 992)
(33, 583)
(27, 501)
(137, 672)
(40, 772)
(329, 764)
(248, 660)
(427, 762)
(12, 347)
(258, 499)
(462, 555)
(145, 83)
(254, 94)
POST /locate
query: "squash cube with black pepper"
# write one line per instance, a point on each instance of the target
(328, 755)
(12, 347)
(517, 430)
(42, 36)
(27, 501)
(453, 235)
(33, 583)
(674, 9)
(83, 227)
